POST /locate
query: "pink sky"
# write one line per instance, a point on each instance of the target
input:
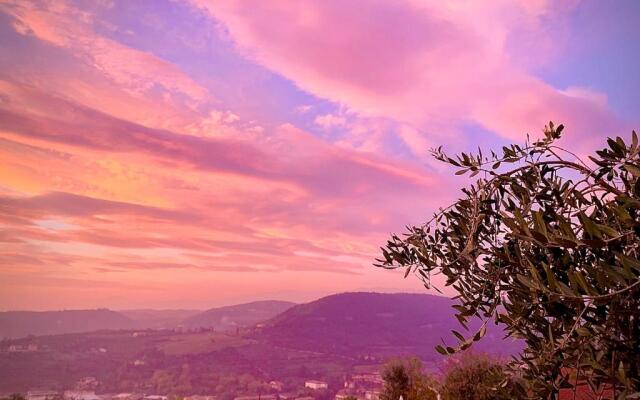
(194, 153)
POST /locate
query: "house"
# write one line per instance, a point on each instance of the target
(42, 395)
(316, 385)
(125, 396)
(87, 383)
(200, 397)
(155, 397)
(372, 394)
(80, 395)
(584, 392)
(22, 348)
(276, 385)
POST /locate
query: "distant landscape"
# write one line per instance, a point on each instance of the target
(15, 324)
(263, 341)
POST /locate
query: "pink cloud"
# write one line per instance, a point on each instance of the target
(61, 24)
(430, 65)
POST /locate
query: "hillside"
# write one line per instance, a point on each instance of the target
(14, 324)
(240, 315)
(374, 323)
(322, 339)
(158, 319)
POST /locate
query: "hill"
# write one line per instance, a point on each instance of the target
(324, 339)
(158, 319)
(377, 324)
(240, 315)
(14, 324)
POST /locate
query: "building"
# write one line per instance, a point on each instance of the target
(316, 385)
(80, 395)
(22, 348)
(200, 397)
(584, 392)
(372, 394)
(126, 396)
(258, 397)
(276, 385)
(155, 397)
(42, 395)
(87, 383)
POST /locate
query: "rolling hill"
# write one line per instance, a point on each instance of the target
(374, 323)
(322, 339)
(14, 324)
(240, 315)
(158, 319)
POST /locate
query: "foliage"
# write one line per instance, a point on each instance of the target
(473, 377)
(545, 244)
(405, 377)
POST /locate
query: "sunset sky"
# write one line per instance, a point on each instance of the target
(194, 153)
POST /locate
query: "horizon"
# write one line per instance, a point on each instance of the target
(188, 154)
(222, 305)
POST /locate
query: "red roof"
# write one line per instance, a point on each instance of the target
(584, 392)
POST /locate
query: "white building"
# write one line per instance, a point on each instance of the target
(316, 385)
(155, 397)
(80, 395)
(42, 395)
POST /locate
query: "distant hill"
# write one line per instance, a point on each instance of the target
(14, 324)
(158, 319)
(374, 323)
(323, 339)
(240, 315)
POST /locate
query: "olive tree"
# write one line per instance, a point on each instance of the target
(544, 243)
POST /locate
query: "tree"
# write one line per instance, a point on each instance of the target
(546, 245)
(474, 377)
(405, 377)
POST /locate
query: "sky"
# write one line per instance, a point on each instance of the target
(196, 153)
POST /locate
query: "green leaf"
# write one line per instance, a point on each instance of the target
(632, 169)
(582, 331)
(589, 226)
(527, 282)
(480, 334)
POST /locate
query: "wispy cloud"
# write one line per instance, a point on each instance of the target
(245, 148)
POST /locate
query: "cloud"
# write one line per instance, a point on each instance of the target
(435, 66)
(328, 121)
(289, 155)
(61, 24)
(67, 204)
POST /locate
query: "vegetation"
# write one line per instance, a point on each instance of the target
(546, 244)
(473, 377)
(405, 377)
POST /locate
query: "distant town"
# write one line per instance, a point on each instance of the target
(360, 386)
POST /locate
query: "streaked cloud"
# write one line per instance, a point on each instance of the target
(207, 152)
